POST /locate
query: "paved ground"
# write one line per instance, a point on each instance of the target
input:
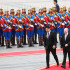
(29, 62)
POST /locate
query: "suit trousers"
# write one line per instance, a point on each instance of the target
(64, 57)
(53, 51)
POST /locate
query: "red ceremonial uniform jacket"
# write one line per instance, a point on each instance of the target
(67, 18)
(28, 23)
(38, 20)
(16, 23)
(4, 23)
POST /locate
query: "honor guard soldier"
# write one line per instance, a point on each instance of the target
(35, 25)
(12, 13)
(68, 19)
(30, 28)
(1, 29)
(45, 17)
(6, 22)
(40, 26)
(18, 28)
(51, 20)
(61, 23)
(54, 11)
(55, 17)
(23, 17)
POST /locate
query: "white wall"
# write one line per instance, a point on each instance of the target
(19, 4)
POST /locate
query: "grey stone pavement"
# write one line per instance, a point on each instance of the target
(28, 62)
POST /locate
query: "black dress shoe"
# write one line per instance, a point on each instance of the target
(57, 65)
(63, 66)
(47, 67)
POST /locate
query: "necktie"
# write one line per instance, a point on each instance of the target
(48, 35)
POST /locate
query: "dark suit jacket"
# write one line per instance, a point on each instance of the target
(57, 7)
(51, 41)
(63, 42)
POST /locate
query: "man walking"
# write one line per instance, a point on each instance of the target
(65, 44)
(50, 45)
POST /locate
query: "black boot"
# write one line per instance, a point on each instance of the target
(25, 40)
(31, 42)
(22, 39)
(21, 42)
(41, 41)
(18, 43)
(9, 44)
(35, 40)
(2, 44)
(0, 41)
(6, 41)
(14, 41)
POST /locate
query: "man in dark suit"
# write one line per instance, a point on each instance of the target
(57, 6)
(65, 44)
(50, 45)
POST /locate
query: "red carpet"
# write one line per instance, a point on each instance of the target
(54, 67)
(25, 53)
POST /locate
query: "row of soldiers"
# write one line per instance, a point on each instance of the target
(21, 24)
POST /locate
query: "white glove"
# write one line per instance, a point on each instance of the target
(8, 21)
(13, 25)
(45, 23)
(31, 20)
(42, 19)
(1, 25)
(55, 22)
(35, 23)
(63, 24)
(51, 18)
(42, 25)
(31, 26)
(20, 26)
(62, 18)
(59, 22)
(9, 27)
(20, 20)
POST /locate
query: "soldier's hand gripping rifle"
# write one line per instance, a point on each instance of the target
(20, 22)
(63, 20)
(52, 21)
